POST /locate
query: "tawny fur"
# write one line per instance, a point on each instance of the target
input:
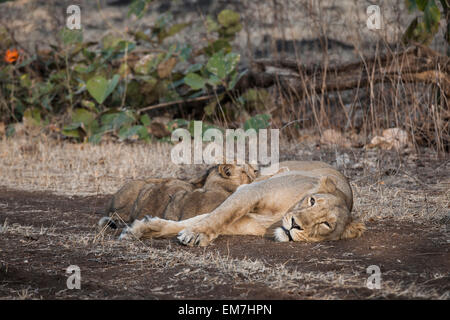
(175, 199)
(312, 201)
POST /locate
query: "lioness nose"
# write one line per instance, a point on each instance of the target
(294, 225)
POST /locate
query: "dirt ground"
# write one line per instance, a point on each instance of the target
(46, 233)
(404, 202)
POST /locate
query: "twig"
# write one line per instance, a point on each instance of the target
(171, 103)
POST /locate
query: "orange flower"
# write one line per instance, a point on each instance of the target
(11, 56)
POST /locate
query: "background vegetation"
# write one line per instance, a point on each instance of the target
(86, 90)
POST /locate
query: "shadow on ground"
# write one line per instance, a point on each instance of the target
(43, 234)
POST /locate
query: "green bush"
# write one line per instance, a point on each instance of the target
(100, 87)
(424, 27)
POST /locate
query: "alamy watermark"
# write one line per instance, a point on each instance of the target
(374, 17)
(213, 153)
(73, 21)
(374, 280)
(74, 280)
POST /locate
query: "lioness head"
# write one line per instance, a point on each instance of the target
(321, 216)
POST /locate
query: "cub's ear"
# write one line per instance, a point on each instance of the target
(225, 170)
(353, 230)
(327, 185)
(250, 171)
(199, 181)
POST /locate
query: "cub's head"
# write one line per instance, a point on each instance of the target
(321, 216)
(226, 176)
(237, 173)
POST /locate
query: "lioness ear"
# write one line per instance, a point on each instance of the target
(327, 185)
(353, 230)
(225, 170)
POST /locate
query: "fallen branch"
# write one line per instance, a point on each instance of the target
(418, 64)
(172, 103)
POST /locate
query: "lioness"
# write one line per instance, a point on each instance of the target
(312, 200)
(175, 199)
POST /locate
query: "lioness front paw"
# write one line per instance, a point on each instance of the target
(154, 227)
(126, 234)
(191, 238)
(133, 232)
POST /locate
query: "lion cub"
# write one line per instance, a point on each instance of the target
(176, 199)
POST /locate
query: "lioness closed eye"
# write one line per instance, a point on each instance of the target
(311, 199)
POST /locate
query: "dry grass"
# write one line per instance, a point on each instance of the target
(210, 268)
(409, 194)
(84, 169)
(412, 193)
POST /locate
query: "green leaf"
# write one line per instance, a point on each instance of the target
(116, 120)
(411, 5)
(96, 138)
(230, 22)
(100, 88)
(216, 46)
(260, 121)
(134, 132)
(421, 4)
(112, 85)
(214, 80)
(216, 65)
(10, 130)
(33, 116)
(194, 68)
(97, 87)
(194, 81)
(228, 18)
(25, 80)
(222, 65)
(83, 116)
(231, 61)
(185, 52)
(71, 36)
(137, 7)
(210, 108)
(89, 105)
(124, 45)
(174, 29)
(211, 25)
(432, 16)
(235, 77)
(73, 130)
(145, 120)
